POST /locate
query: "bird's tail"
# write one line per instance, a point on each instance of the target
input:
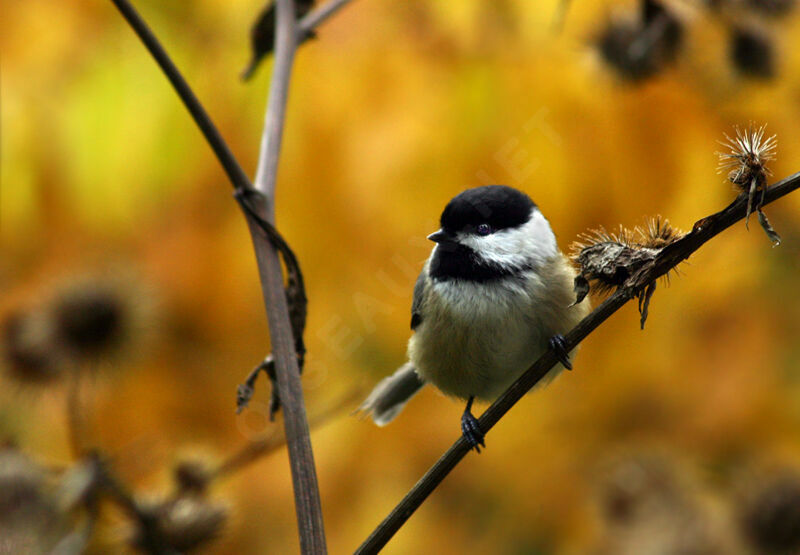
(391, 395)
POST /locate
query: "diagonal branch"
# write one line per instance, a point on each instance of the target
(672, 255)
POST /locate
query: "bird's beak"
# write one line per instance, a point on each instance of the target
(442, 237)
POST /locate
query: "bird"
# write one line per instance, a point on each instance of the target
(494, 294)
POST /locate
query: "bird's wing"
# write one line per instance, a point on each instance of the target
(416, 303)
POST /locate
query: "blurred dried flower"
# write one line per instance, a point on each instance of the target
(650, 504)
(30, 521)
(751, 52)
(185, 522)
(770, 515)
(746, 164)
(639, 488)
(91, 319)
(638, 49)
(83, 320)
(28, 347)
(192, 476)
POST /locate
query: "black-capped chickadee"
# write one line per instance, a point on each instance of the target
(494, 294)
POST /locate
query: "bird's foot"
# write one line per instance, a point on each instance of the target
(471, 429)
(559, 346)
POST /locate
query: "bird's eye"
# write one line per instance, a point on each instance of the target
(484, 229)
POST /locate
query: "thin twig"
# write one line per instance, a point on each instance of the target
(314, 19)
(670, 257)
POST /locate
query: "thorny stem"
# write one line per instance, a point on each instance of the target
(670, 256)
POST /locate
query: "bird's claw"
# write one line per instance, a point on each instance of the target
(559, 346)
(471, 429)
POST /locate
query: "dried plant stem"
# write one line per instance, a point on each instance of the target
(287, 372)
(671, 256)
(307, 501)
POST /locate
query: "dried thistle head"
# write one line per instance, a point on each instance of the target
(100, 316)
(747, 157)
(657, 233)
(770, 514)
(746, 164)
(192, 475)
(91, 320)
(608, 260)
(752, 52)
(27, 347)
(641, 47)
(185, 522)
(30, 519)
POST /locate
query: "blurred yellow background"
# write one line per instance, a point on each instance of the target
(395, 108)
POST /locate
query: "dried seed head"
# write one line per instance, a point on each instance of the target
(640, 487)
(99, 316)
(640, 48)
(90, 321)
(770, 516)
(28, 347)
(192, 475)
(746, 164)
(30, 521)
(609, 259)
(185, 522)
(657, 233)
(752, 53)
(747, 156)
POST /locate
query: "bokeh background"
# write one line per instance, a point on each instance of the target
(676, 439)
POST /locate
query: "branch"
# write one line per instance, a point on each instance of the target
(301, 458)
(264, 236)
(672, 255)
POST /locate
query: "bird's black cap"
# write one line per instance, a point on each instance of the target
(497, 205)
